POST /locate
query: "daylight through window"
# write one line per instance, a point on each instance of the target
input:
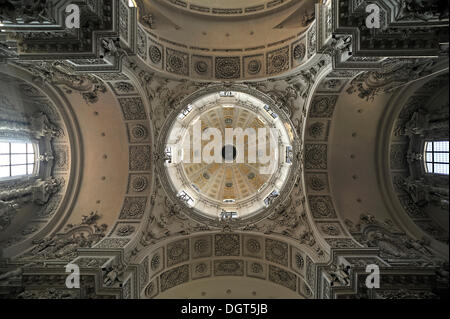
(16, 159)
(436, 157)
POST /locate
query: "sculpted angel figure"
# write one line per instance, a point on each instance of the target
(340, 275)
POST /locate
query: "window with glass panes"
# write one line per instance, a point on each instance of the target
(16, 159)
(436, 157)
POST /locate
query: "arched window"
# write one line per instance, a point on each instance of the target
(436, 157)
(17, 159)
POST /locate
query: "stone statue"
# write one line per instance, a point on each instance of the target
(308, 18)
(417, 124)
(25, 10)
(113, 275)
(111, 47)
(149, 20)
(422, 193)
(43, 190)
(418, 245)
(42, 127)
(340, 45)
(422, 10)
(340, 275)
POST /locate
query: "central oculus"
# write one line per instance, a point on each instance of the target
(228, 155)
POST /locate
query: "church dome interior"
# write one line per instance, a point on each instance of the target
(205, 149)
(243, 169)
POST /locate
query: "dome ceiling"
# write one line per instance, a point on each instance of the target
(236, 180)
(143, 219)
(225, 47)
(222, 154)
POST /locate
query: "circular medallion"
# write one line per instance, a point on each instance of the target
(155, 54)
(254, 66)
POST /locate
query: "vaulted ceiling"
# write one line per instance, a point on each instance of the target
(116, 91)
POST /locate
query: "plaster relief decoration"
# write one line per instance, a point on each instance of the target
(422, 195)
(132, 109)
(142, 44)
(316, 156)
(213, 59)
(229, 267)
(22, 11)
(133, 208)
(143, 273)
(429, 15)
(64, 245)
(298, 261)
(174, 277)
(156, 261)
(330, 229)
(252, 247)
(140, 158)
(317, 182)
(202, 66)
(138, 183)
(318, 130)
(60, 73)
(152, 289)
(29, 204)
(394, 245)
(138, 132)
(322, 207)
(256, 270)
(201, 247)
(177, 252)
(155, 54)
(123, 88)
(177, 62)
(323, 106)
(227, 245)
(282, 277)
(236, 265)
(393, 73)
(201, 270)
(278, 61)
(298, 53)
(228, 68)
(253, 65)
(124, 230)
(277, 252)
(128, 175)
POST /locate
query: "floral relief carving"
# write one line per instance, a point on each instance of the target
(201, 247)
(323, 106)
(227, 245)
(322, 207)
(132, 108)
(277, 252)
(283, 277)
(229, 267)
(177, 252)
(316, 156)
(174, 277)
(140, 158)
(133, 208)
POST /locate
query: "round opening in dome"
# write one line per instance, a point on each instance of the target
(229, 153)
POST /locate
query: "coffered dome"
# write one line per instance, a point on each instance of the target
(228, 155)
